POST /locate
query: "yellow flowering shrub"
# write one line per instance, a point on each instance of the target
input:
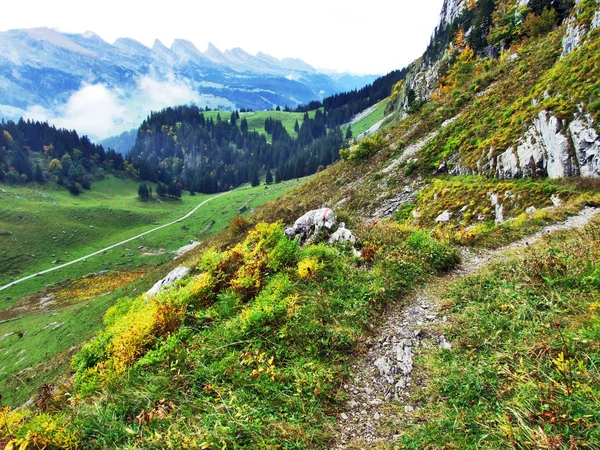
(308, 268)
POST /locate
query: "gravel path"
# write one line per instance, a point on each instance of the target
(379, 391)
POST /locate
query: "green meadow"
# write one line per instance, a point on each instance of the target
(366, 122)
(41, 227)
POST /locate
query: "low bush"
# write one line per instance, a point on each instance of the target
(365, 149)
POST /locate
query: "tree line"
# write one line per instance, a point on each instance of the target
(32, 151)
(212, 155)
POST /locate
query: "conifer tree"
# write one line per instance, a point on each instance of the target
(143, 192)
(269, 177)
(254, 180)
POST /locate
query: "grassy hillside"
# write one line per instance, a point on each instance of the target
(256, 120)
(45, 319)
(41, 226)
(253, 348)
(262, 336)
(368, 120)
(524, 372)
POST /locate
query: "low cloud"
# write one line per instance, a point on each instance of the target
(99, 112)
(93, 110)
(161, 94)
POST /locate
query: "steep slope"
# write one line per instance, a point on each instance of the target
(253, 349)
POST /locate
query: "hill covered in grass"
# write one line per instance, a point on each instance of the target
(45, 319)
(253, 349)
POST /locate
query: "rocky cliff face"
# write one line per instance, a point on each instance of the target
(550, 146)
(423, 76)
(451, 9)
(577, 29)
(553, 148)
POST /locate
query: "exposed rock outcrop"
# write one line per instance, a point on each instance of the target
(587, 146)
(173, 276)
(596, 20)
(342, 235)
(576, 30)
(390, 206)
(451, 9)
(310, 223)
(572, 38)
(554, 148)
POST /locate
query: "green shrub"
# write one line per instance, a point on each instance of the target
(365, 149)
(441, 257)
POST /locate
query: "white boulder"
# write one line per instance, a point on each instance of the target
(173, 276)
(342, 235)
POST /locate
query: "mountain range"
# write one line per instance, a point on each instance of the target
(81, 81)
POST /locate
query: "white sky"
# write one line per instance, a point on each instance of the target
(366, 36)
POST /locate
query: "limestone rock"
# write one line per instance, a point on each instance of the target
(388, 207)
(342, 235)
(531, 156)
(572, 38)
(556, 201)
(559, 162)
(451, 9)
(173, 276)
(507, 165)
(587, 146)
(444, 217)
(596, 20)
(310, 223)
(547, 150)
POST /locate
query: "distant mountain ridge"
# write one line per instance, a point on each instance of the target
(41, 70)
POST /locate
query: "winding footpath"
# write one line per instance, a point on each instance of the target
(379, 391)
(83, 258)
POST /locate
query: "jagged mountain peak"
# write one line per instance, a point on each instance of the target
(268, 58)
(55, 38)
(132, 46)
(158, 45)
(297, 64)
(91, 35)
(238, 52)
(162, 53)
(214, 54)
(187, 51)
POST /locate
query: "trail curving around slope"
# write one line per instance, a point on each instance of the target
(379, 390)
(83, 258)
